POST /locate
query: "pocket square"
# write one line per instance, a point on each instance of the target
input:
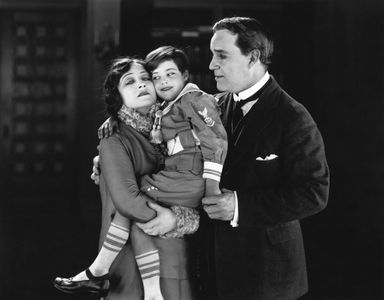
(268, 157)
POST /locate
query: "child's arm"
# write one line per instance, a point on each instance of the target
(211, 187)
(202, 111)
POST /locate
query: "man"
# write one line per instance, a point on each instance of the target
(275, 173)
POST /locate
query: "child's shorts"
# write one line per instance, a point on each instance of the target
(180, 183)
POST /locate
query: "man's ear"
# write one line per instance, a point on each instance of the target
(186, 75)
(254, 56)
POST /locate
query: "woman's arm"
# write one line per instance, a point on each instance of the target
(118, 172)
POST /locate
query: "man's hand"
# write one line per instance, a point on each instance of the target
(95, 176)
(164, 222)
(220, 207)
(107, 128)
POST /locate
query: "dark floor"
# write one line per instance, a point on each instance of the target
(45, 241)
(39, 245)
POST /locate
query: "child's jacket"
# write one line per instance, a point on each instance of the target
(192, 124)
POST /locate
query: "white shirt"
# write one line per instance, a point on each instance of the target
(246, 108)
(249, 92)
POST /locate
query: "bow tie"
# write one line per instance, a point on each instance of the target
(241, 101)
(244, 101)
(238, 114)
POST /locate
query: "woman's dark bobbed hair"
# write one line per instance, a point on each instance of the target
(118, 68)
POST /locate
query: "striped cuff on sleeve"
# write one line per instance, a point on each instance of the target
(212, 170)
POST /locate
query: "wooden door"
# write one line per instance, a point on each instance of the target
(39, 81)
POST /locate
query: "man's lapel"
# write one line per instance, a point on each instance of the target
(258, 118)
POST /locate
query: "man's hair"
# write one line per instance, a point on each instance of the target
(250, 36)
(118, 68)
(166, 53)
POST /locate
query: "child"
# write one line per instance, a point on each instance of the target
(190, 126)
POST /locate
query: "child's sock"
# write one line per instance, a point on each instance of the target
(149, 267)
(114, 241)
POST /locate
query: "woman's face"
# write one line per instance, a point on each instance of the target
(136, 88)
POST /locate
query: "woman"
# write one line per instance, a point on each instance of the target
(124, 157)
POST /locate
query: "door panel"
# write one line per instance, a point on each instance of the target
(38, 90)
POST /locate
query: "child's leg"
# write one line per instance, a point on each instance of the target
(148, 262)
(117, 236)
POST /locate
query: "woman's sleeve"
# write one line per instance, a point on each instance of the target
(187, 221)
(118, 172)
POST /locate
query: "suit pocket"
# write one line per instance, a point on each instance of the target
(266, 171)
(284, 232)
(265, 163)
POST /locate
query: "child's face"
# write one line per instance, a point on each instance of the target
(136, 88)
(168, 80)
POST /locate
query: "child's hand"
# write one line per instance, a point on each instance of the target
(108, 128)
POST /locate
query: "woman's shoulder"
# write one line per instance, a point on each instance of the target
(130, 139)
(124, 136)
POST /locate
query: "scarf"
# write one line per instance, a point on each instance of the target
(138, 121)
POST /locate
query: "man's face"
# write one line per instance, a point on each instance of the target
(231, 68)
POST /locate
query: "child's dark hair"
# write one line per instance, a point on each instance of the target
(112, 97)
(165, 53)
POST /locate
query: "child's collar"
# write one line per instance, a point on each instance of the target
(189, 87)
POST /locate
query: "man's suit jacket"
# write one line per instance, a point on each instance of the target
(276, 163)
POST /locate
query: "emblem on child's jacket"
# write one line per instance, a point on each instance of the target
(207, 119)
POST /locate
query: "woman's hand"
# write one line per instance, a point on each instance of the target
(164, 222)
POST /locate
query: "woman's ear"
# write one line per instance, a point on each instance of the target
(186, 75)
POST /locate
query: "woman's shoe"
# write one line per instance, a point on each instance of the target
(95, 284)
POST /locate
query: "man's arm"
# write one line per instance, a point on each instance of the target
(302, 190)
